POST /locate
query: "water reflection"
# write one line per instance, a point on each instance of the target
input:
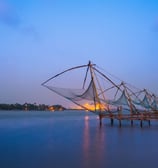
(74, 140)
(86, 142)
(94, 145)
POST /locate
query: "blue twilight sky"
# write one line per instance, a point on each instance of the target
(39, 38)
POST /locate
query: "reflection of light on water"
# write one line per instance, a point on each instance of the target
(94, 144)
(86, 117)
(97, 117)
(86, 142)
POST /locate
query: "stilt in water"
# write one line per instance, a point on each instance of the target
(141, 123)
(112, 121)
(149, 122)
(100, 119)
(120, 123)
(131, 122)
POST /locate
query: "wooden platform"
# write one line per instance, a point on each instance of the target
(130, 117)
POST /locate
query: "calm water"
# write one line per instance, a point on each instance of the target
(73, 139)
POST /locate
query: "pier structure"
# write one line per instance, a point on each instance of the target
(139, 117)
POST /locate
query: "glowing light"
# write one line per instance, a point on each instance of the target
(51, 108)
(92, 107)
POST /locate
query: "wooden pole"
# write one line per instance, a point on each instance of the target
(112, 121)
(100, 119)
(141, 123)
(149, 122)
(120, 122)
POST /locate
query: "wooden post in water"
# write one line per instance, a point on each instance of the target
(149, 122)
(100, 119)
(120, 122)
(141, 123)
(131, 122)
(119, 115)
(112, 121)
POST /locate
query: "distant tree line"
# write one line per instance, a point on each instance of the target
(30, 107)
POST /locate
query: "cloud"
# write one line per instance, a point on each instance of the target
(9, 17)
